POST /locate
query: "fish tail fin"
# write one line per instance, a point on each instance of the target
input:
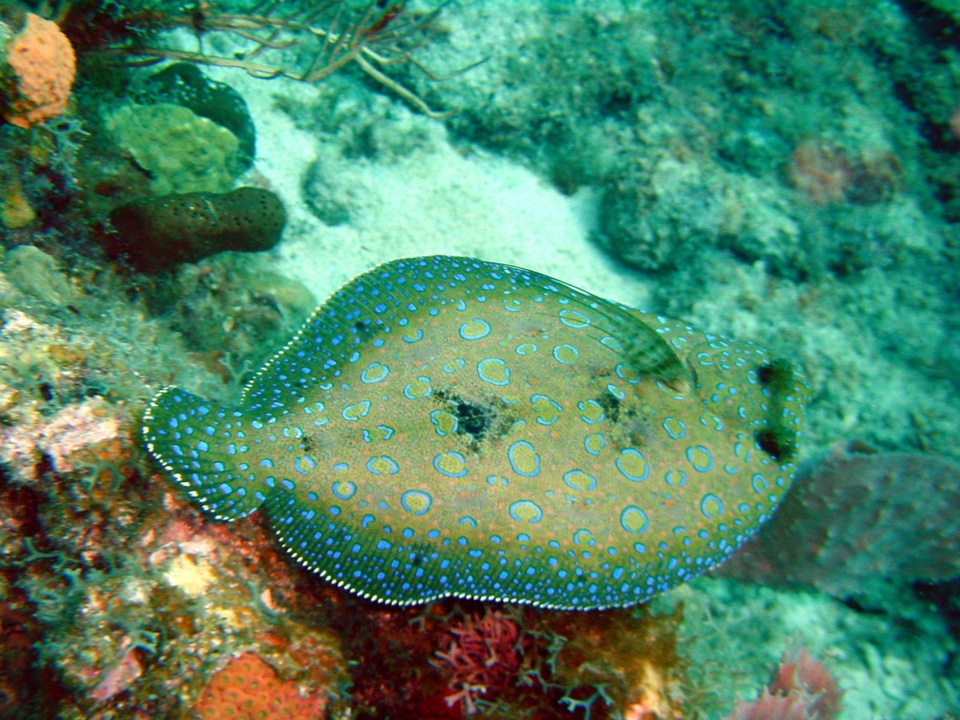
(200, 446)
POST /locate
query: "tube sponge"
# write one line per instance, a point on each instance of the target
(156, 233)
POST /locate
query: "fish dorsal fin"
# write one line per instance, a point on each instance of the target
(356, 313)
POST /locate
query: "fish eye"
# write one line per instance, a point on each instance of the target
(777, 444)
(774, 371)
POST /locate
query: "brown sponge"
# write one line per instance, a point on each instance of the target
(156, 233)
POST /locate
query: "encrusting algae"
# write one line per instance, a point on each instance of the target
(445, 426)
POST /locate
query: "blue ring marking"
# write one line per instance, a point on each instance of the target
(711, 512)
(695, 457)
(299, 462)
(616, 391)
(566, 354)
(573, 318)
(435, 418)
(494, 371)
(374, 373)
(579, 480)
(594, 443)
(675, 477)
(759, 483)
(674, 427)
(356, 411)
(382, 465)
(416, 338)
(524, 445)
(454, 456)
(416, 502)
(344, 489)
(454, 365)
(583, 537)
(408, 388)
(627, 373)
(535, 400)
(526, 511)
(631, 452)
(466, 520)
(525, 349)
(475, 329)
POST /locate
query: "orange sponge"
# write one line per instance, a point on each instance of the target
(43, 61)
(249, 689)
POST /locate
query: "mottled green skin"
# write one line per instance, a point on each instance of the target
(445, 426)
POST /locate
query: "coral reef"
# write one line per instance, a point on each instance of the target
(37, 72)
(854, 518)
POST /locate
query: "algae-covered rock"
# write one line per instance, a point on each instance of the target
(181, 151)
(156, 233)
(185, 84)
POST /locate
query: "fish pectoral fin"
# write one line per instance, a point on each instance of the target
(187, 435)
(650, 354)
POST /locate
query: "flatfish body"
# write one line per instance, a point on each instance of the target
(444, 426)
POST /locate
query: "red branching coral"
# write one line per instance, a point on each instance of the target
(485, 655)
(801, 689)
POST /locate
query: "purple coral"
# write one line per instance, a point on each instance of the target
(853, 517)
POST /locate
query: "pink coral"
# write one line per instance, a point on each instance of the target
(485, 654)
(801, 689)
(43, 61)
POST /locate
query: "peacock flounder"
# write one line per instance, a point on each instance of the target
(445, 426)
